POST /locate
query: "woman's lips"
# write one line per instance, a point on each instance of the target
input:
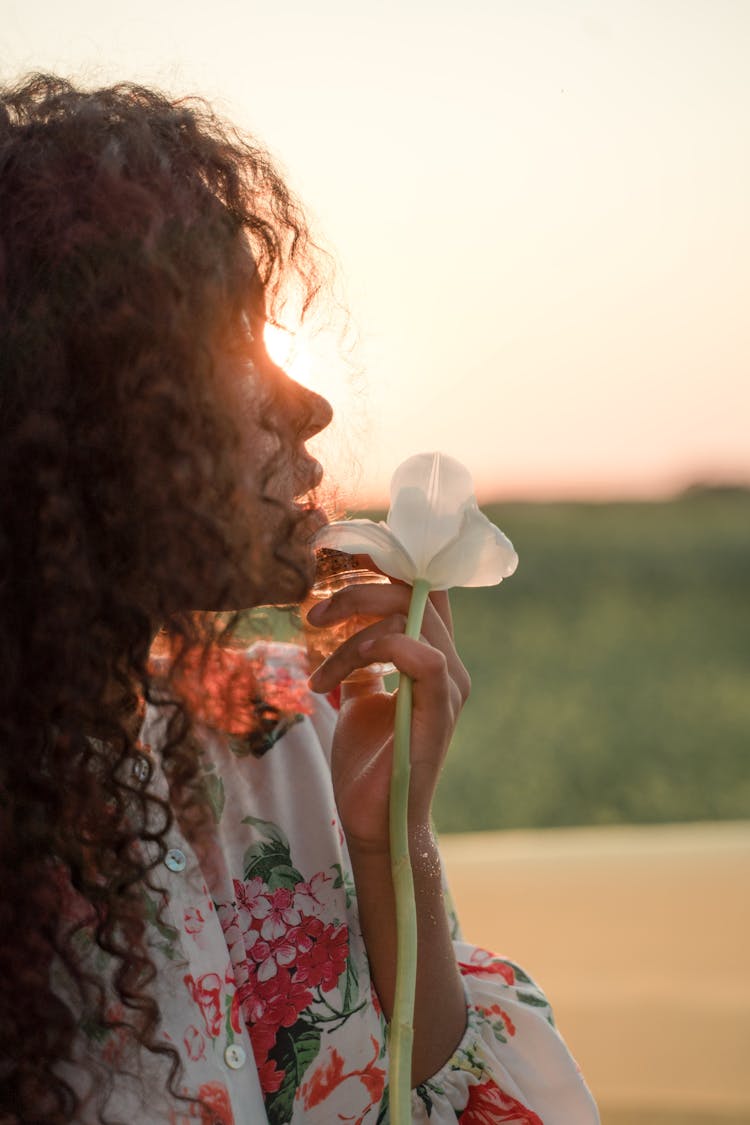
(311, 519)
(309, 476)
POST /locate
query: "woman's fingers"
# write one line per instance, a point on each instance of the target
(348, 657)
(436, 698)
(373, 599)
(423, 663)
(385, 643)
(441, 602)
(391, 600)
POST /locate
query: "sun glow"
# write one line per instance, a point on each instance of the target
(290, 351)
(311, 358)
(314, 359)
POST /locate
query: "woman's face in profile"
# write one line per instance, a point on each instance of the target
(273, 515)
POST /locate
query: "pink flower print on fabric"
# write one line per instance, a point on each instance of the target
(269, 957)
(310, 898)
(284, 957)
(326, 950)
(252, 902)
(238, 943)
(278, 914)
(284, 999)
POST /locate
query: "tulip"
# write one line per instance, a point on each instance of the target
(434, 537)
(434, 532)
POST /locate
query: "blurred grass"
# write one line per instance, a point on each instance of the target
(611, 674)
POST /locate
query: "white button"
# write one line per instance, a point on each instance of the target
(140, 769)
(175, 859)
(235, 1056)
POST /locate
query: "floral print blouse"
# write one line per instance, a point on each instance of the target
(263, 980)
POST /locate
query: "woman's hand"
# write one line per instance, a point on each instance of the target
(363, 740)
(361, 767)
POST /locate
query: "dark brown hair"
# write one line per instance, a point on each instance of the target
(133, 228)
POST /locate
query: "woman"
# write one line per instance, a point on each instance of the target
(195, 929)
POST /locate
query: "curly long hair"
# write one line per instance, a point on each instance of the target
(125, 218)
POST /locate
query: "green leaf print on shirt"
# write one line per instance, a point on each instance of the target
(520, 975)
(215, 793)
(171, 946)
(344, 879)
(295, 1048)
(270, 859)
(534, 1000)
(351, 986)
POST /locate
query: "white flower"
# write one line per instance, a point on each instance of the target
(434, 530)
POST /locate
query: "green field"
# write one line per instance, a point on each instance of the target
(611, 674)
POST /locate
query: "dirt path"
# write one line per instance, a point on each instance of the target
(641, 938)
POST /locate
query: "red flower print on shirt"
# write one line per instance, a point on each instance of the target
(270, 957)
(268, 1006)
(218, 1100)
(270, 1076)
(217, 1109)
(325, 960)
(234, 1009)
(284, 958)
(262, 1037)
(206, 992)
(195, 1044)
(488, 1105)
(282, 955)
(285, 998)
(193, 920)
(493, 1012)
(278, 913)
(486, 964)
(344, 1090)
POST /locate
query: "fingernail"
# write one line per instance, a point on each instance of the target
(319, 610)
(366, 646)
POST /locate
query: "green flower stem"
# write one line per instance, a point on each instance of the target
(401, 1031)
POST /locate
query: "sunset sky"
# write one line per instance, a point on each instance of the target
(540, 212)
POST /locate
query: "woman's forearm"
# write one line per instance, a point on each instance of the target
(440, 1006)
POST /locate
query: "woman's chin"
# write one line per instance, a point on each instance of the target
(285, 577)
(291, 579)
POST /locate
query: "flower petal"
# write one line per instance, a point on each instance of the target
(480, 555)
(428, 494)
(365, 537)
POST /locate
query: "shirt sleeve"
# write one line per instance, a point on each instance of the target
(511, 1065)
